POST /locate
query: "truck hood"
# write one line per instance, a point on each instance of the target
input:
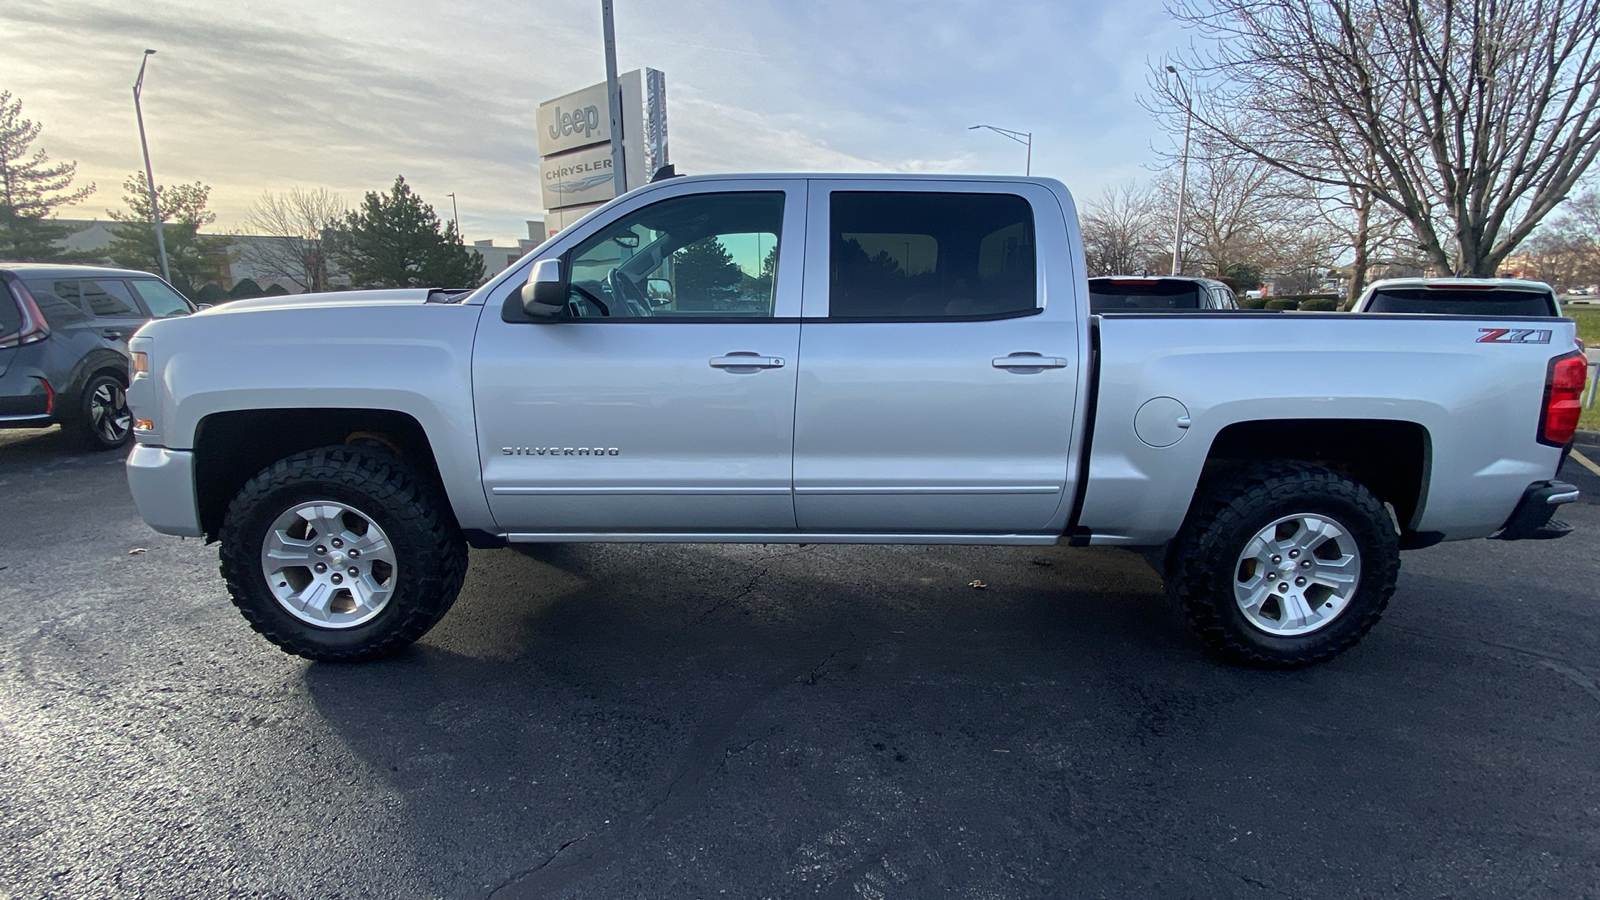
(396, 297)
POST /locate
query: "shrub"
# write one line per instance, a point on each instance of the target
(1252, 302)
(1319, 304)
(245, 288)
(213, 294)
(1283, 303)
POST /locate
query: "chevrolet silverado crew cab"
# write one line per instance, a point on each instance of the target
(862, 359)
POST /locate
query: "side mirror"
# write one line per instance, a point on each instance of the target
(545, 294)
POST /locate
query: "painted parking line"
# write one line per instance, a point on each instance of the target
(1586, 462)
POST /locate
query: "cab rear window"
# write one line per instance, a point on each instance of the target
(1117, 294)
(1488, 302)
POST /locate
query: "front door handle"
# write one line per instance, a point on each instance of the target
(742, 362)
(1025, 363)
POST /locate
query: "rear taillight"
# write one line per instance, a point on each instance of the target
(1563, 399)
(34, 327)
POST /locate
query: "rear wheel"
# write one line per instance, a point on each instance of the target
(103, 420)
(341, 554)
(1285, 565)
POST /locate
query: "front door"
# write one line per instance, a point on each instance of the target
(940, 360)
(663, 402)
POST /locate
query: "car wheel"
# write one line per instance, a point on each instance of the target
(341, 554)
(1284, 565)
(103, 421)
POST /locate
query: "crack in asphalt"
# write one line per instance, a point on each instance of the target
(552, 858)
(749, 588)
(1560, 665)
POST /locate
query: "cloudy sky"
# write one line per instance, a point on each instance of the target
(272, 94)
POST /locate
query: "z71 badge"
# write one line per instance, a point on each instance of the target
(1514, 336)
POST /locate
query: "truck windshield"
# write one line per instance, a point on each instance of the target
(1113, 294)
(1490, 302)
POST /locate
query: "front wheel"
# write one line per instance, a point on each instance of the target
(341, 554)
(1284, 565)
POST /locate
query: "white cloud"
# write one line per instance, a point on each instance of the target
(270, 95)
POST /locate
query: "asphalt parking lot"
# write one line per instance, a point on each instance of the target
(702, 721)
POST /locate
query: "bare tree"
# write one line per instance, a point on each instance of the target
(1234, 204)
(293, 224)
(1122, 230)
(1481, 115)
(1566, 251)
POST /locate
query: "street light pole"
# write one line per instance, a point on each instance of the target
(1021, 137)
(455, 214)
(619, 174)
(150, 178)
(1183, 172)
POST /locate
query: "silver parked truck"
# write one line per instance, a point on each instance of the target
(856, 359)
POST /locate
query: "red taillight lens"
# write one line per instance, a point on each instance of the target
(1563, 399)
(34, 327)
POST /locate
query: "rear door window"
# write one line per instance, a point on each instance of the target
(1113, 295)
(109, 298)
(57, 298)
(930, 255)
(163, 302)
(10, 315)
(1483, 302)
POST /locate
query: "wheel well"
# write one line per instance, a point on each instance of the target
(231, 447)
(1390, 457)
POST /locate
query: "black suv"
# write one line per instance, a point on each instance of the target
(64, 334)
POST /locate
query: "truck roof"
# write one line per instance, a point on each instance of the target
(1510, 284)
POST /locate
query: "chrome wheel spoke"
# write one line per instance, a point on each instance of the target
(313, 601)
(1257, 595)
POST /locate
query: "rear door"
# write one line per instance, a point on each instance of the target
(940, 358)
(112, 311)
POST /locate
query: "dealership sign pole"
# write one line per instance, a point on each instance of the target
(614, 97)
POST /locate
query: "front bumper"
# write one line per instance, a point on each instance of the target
(1531, 520)
(162, 482)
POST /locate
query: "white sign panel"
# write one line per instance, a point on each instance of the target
(582, 176)
(577, 120)
(574, 133)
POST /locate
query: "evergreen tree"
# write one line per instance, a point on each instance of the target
(395, 240)
(705, 275)
(192, 258)
(31, 188)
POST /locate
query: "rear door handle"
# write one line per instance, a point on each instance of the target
(746, 361)
(1028, 361)
(112, 334)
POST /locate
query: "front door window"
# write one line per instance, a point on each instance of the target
(702, 256)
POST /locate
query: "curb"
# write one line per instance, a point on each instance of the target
(1586, 437)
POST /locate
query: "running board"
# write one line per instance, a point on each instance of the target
(576, 537)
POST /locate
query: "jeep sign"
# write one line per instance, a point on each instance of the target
(577, 121)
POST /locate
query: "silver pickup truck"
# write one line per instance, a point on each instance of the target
(864, 359)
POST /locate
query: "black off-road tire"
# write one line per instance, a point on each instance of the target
(431, 554)
(1204, 560)
(81, 424)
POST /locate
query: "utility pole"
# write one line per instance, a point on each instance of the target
(619, 173)
(150, 178)
(1183, 172)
